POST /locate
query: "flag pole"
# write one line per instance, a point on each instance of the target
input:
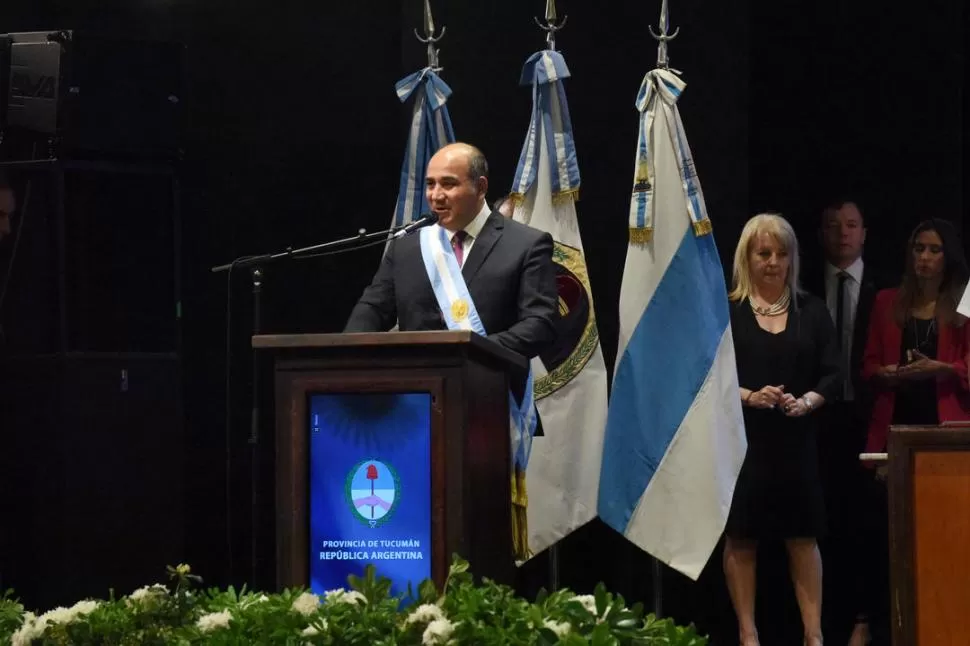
(430, 124)
(551, 26)
(430, 39)
(662, 36)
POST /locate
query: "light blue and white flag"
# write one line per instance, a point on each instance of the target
(570, 378)
(964, 306)
(675, 437)
(430, 130)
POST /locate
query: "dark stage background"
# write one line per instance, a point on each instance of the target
(294, 135)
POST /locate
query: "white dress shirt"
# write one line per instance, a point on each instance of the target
(473, 230)
(853, 285)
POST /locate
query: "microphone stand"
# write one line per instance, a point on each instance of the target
(255, 265)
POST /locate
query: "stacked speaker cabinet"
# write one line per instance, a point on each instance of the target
(91, 428)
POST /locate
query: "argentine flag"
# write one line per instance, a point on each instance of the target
(674, 434)
(570, 387)
(964, 306)
(430, 130)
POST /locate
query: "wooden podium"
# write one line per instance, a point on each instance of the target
(929, 523)
(467, 378)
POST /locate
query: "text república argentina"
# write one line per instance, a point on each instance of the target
(371, 550)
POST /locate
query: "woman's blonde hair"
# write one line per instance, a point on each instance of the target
(778, 228)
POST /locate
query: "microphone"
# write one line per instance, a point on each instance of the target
(425, 220)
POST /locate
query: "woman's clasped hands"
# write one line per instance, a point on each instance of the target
(776, 397)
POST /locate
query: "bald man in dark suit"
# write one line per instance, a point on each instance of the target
(506, 265)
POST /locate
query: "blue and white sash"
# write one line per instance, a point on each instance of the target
(660, 91)
(460, 314)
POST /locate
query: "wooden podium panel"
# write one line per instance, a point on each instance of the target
(467, 378)
(929, 502)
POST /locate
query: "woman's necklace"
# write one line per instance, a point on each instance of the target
(777, 308)
(922, 346)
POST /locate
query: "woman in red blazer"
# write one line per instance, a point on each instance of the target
(916, 362)
(916, 352)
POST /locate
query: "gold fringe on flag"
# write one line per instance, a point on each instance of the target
(520, 522)
(558, 199)
(641, 235)
(565, 196)
(703, 227)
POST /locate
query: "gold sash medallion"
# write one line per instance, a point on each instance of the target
(459, 309)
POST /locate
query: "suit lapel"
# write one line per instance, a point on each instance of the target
(486, 239)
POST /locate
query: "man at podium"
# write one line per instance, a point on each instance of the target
(503, 271)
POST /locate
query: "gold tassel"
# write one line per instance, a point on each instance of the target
(565, 196)
(516, 198)
(520, 523)
(641, 236)
(702, 228)
(559, 198)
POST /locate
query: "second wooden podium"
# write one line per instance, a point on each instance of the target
(929, 519)
(392, 449)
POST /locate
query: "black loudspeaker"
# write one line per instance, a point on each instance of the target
(92, 264)
(91, 450)
(78, 95)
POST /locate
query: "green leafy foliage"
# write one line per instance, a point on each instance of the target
(184, 613)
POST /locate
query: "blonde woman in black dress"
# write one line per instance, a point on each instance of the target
(788, 367)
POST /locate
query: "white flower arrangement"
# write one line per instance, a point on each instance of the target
(306, 604)
(459, 612)
(214, 621)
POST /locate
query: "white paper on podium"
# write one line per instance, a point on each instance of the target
(964, 306)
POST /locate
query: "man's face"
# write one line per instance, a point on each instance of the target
(843, 234)
(454, 196)
(7, 206)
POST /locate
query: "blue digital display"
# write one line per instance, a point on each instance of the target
(370, 488)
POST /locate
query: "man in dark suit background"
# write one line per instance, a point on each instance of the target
(848, 287)
(506, 265)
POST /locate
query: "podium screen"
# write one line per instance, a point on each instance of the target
(370, 488)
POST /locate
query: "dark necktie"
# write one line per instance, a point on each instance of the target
(457, 243)
(840, 310)
(840, 314)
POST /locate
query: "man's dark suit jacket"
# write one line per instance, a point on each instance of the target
(871, 284)
(841, 437)
(510, 276)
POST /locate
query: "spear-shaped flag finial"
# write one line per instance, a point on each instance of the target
(550, 11)
(429, 38)
(552, 24)
(664, 36)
